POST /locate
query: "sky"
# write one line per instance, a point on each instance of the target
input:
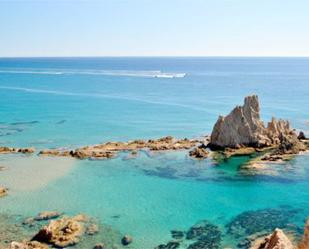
(154, 28)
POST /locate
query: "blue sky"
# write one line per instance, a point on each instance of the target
(154, 28)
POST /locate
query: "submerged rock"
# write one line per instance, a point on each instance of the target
(205, 235)
(99, 246)
(47, 215)
(126, 240)
(177, 234)
(169, 245)
(27, 245)
(276, 240)
(62, 232)
(264, 220)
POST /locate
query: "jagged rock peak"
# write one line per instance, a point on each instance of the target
(244, 127)
(277, 240)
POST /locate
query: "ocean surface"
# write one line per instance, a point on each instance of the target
(70, 102)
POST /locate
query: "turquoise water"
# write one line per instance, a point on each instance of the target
(50, 103)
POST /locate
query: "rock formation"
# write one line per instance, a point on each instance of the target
(277, 240)
(62, 232)
(3, 191)
(199, 152)
(5, 150)
(305, 241)
(243, 127)
(110, 149)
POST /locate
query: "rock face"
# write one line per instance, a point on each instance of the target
(305, 241)
(243, 127)
(277, 240)
(62, 232)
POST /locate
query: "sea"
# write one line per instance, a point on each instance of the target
(71, 102)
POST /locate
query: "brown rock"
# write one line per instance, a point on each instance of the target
(304, 244)
(199, 152)
(243, 127)
(277, 240)
(62, 232)
(6, 150)
(245, 151)
(3, 191)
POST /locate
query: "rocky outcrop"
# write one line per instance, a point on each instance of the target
(6, 150)
(199, 152)
(62, 232)
(110, 149)
(3, 191)
(277, 240)
(243, 127)
(304, 244)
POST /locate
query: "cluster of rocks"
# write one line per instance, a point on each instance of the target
(242, 132)
(260, 221)
(61, 231)
(201, 235)
(110, 149)
(7, 150)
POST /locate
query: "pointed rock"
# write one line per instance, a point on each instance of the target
(277, 240)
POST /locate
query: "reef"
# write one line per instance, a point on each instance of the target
(110, 149)
(260, 221)
(202, 235)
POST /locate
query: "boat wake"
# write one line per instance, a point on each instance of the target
(123, 73)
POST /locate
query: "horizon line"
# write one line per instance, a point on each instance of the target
(156, 56)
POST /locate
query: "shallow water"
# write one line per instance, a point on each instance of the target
(69, 102)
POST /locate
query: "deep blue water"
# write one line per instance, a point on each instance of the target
(55, 102)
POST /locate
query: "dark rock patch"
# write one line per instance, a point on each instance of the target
(264, 220)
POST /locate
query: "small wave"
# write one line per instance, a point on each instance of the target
(124, 73)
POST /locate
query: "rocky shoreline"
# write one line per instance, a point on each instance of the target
(240, 133)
